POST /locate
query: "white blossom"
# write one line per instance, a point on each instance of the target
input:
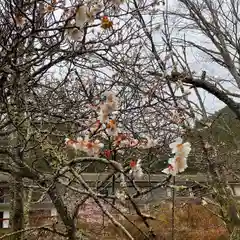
(111, 128)
(111, 101)
(170, 170)
(178, 163)
(71, 143)
(151, 142)
(97, 8)
(91, 148)
(103, 114)
(81, 16)
(180, 148)
(136, 170)
(174, 145)
(120, 194)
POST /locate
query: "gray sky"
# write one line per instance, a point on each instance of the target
(197, 60)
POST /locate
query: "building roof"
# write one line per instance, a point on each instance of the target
(153, 178)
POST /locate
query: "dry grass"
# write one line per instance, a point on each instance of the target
(191, 221)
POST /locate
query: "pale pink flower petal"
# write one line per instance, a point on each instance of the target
(174, 145)
(81, 16)
(137, 171)
(170, 170)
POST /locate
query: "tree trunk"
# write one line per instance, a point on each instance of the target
(27, 206)
(63, 212)
(17, 210)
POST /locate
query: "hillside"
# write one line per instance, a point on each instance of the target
(223, 134)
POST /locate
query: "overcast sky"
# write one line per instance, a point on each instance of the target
(197, 60)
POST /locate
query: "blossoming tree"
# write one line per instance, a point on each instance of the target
(55, 67)
(91, 73)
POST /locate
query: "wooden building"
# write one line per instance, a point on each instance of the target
(42, 208)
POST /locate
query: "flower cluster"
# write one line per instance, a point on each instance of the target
(20, 20)
(50, 7)
(109, 105)
(121, 195)
(111, 127)
(178, 163)
(83, 15)
(92, 148)
(107, 125)
(148, 142)
(125, 141)
(106, 23)
(136, 169)
(122, 141)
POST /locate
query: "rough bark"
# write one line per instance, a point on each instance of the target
(63, 212)
(17, 210)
